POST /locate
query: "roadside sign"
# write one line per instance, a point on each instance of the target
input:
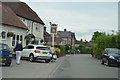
(54, 28)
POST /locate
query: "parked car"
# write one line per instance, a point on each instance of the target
(111, 56)
(36, 52)
(5, 54)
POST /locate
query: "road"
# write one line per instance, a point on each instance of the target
(70, 66)
(84, 66)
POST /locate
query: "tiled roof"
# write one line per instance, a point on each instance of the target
(66, 34)
(78, 42)
(10, 18)
(23, 10)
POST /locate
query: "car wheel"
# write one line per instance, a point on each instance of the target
(7, 64)
(107, 63)
(102, 62)
(47, 60)
(31, 58)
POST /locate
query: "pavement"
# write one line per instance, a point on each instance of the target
(37, 69)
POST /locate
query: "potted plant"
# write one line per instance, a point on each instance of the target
(10, 34)
(29, 38)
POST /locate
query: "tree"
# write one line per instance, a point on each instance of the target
(96, 35)
(102, 41)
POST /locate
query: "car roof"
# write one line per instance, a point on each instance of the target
(3, 44)
(112, 49)
(36, 45)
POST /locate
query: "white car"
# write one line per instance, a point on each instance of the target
(35, 52)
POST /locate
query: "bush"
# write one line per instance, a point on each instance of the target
(62, 50)
(68, 48)
(57, 50)
(104, 41)
(83, 49)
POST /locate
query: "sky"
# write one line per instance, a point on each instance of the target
(82, 18)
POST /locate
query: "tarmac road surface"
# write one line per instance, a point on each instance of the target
(84, 66)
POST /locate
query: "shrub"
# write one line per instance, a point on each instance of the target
(83, 49)
(62, 49)
(57, 50)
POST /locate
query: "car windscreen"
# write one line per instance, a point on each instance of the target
(114, 51)
(4, 47)
(42, 48)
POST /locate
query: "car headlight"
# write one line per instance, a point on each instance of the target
(111, 57)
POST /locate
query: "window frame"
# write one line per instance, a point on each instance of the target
(4, 36)
(19, 39)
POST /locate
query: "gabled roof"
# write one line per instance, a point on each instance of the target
(23, 10)
(66, 34)
(10, 18)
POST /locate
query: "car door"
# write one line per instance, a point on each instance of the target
(29, 50)
(24, 52)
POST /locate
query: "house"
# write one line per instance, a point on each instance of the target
(19, 21)
(12, 28)
(61, 38)
(30, 19)
(77, 43)
(68, 37)
(85, 43)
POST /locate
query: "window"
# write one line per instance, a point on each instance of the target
(29, 24)
(23, 19)
(16, 39)
(42, 48)
(5, 47)
(21, 37)
(13, 41)
(26, 47)
(37, 27)
(30, 47)
(4, 35)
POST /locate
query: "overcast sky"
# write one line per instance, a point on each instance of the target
(82, 18)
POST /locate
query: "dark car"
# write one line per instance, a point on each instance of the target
(111, 56)
(5, 54)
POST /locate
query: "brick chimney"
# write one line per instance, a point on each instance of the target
(65, 30)
(44, 29)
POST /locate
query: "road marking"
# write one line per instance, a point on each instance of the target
(56, 69)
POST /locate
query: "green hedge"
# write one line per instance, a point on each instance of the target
(83, 49)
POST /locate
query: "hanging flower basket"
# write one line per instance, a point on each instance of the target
(29, 36)
(10, 34)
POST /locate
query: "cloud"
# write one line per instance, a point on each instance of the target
(82, 22)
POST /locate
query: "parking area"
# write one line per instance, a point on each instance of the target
(37, 69)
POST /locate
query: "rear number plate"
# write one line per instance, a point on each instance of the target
(44, 53)
(1, 59)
